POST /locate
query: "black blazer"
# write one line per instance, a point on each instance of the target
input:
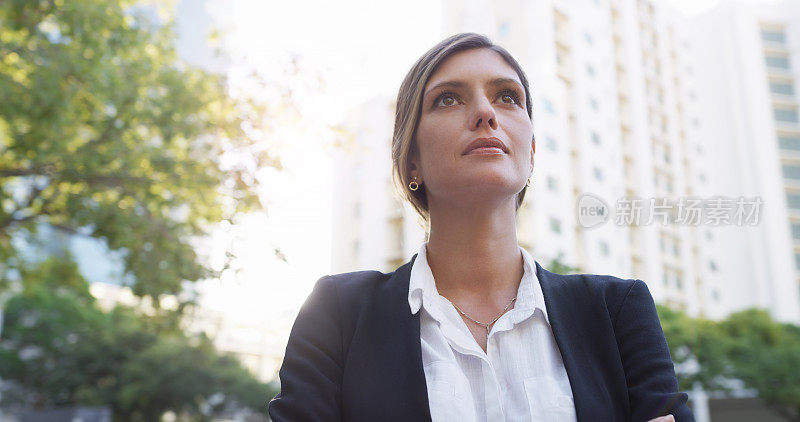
(354, 351)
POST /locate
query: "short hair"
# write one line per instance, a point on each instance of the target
(409, 106)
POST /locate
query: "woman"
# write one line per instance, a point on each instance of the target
(472, 328)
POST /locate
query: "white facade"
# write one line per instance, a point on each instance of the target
(747, 60)
(616, 115)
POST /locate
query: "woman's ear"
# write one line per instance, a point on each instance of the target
(413, 165)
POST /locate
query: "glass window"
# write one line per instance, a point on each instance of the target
(797, 261)
(789, 142)
(791, 171)
(548, 105)
(595, 138)
(785, 115)
(590, 70)
(588, 37)
(793, 200)
(604, 248)
(555, 225)
(783, 88)
(552, 183)
(598, 173)
(550, 143)
(796, 231)
(773, 35)
(778, 62)
(504, 29)
(593, 104)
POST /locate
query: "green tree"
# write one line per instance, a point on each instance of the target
(698, 348)
(59, 349)
(766, 356)
(747, 346)
(104, 132)
(558, 266)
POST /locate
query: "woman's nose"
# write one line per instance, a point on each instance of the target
(484, 115)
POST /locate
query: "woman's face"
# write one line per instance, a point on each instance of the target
(474, 94)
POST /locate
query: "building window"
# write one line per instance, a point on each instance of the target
(782, 88)
(786, 115)
(791, 143)
(777, 62)
(555, 225)
(552, 183)
(590, 70)
(773, 36)
(598, 173)
(593, 104)
(604, 248)
(550, 143)
(791, 171)
(715, 295)
(797, 261)
(504, 29)
(588, 37)
(793, 200)
(595, 138)
(712, 265)
(796, 231)
(548, 106)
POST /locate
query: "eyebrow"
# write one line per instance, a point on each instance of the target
(461, 84)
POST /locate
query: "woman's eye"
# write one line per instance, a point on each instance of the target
(445, 100)
(509, 98)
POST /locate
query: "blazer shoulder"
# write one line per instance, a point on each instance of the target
(600, 288)
(356, 281)
(354, 289)
(601, 283)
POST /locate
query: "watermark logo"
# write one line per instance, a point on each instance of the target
(592, 210)
(688, 211)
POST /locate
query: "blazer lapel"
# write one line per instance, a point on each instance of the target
(400, 332)
(568, 335)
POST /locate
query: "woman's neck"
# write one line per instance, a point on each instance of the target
(475, 253)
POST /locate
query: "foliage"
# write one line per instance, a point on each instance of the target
(104, 132)
(747, 346)
(60, 349)
(558, 266)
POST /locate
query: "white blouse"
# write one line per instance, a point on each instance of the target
(520, 377)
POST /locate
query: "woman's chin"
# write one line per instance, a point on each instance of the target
(485, 191)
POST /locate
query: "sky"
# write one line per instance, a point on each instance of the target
(357, 49)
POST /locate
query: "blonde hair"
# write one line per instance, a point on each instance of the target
(409, 106)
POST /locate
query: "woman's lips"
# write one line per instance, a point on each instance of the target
(486, 151)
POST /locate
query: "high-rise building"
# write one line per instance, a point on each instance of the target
(747, 67)
(616, 119)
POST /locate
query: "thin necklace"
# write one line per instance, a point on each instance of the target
(484, 324)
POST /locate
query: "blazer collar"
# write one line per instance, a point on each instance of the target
(401, 328)
(393, 297)
(566, 326)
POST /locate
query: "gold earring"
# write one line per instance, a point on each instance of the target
(413, 185)
(528, 183)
